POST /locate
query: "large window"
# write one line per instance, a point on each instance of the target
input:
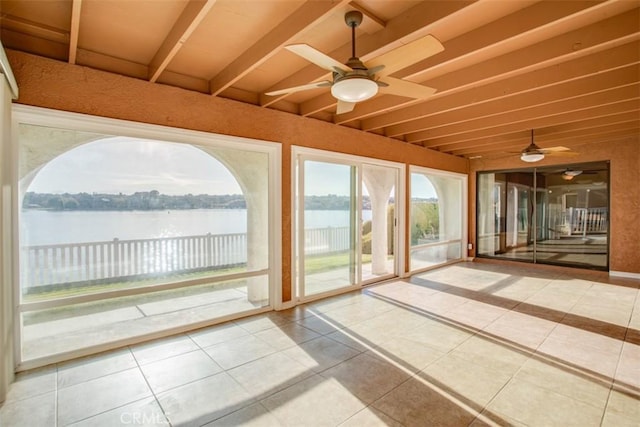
(552, 215)
(438, 220)
(129, 235)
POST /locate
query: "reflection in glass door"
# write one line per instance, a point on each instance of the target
(570, 216)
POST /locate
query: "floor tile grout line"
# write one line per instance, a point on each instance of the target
(613, 380)
(55, 408)
(153, 393)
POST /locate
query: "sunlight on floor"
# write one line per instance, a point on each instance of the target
(470, 344)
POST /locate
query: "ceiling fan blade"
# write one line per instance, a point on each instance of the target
(345, 107)
(406, 55)
(324, 83)
(560, 153)
(555, 149)
(405, 88)
(315, 56)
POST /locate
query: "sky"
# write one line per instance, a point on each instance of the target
(127, 165)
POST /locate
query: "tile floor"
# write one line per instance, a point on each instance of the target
(471, 344)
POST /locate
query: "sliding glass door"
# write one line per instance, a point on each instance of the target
(328, 218)
(553, 215)
(346, 223)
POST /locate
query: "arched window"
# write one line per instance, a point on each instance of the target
(126, 236)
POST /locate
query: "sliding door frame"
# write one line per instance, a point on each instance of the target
(533, 218)
(298, 156)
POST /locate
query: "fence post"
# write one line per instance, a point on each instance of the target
(116, 257)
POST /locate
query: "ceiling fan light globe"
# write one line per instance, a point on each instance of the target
(531, 157)
(354, 90)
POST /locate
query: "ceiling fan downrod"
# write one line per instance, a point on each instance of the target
(353, 18)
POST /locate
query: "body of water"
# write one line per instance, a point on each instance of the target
(40, 227)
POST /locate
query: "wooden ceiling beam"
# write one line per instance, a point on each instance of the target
(544, 97)
(541, 134)
(622, 106)
(33, 29)
(514, 149)
(572, 68)
(607, 34)
(38, 46)
(190, 18)
(74, 31)
(541, 21)
(566, 138)
(305, 16)
(573, 105)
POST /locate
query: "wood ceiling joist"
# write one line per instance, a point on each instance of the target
(190, 18)
(565, 138)
(551, 75)
(594, 38)
(109, 63)
(476, 41)
(449, 142)
(410, 24)
(306, 15)
(572, 105)
(506, 34)
(539, 22)
(74, 31)
(38, 46)
(516, 148)
(544, 97)
(489, 144)
(33, 29)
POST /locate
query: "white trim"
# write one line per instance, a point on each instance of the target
(624, 274)
(342, 158)
(5, 68)
(297, 199)
(275, 228)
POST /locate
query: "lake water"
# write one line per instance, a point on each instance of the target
(40, 227)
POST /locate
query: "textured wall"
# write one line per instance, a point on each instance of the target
(624, 250)
(57, 85)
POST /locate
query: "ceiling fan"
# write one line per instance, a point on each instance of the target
(354, 81)
(568, 174)
(533, 153)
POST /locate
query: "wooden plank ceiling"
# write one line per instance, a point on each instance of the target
(567, 69)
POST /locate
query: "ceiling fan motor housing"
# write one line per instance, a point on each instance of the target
(353, 18)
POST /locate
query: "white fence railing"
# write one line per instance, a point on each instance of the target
(106, 261)
(101, 261)
(326, 240)
(583, 221)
